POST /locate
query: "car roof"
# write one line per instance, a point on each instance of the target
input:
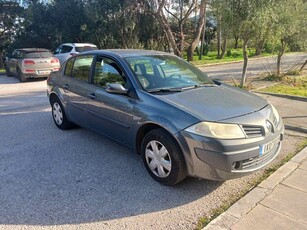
(79, 44)
(34, 50)
(127, 52)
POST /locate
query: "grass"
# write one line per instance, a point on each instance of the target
(2, 71)
(230, 56)
(202, 222)
(290, 85)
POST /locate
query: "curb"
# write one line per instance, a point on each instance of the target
(298, 98)
(295, 128)
(243, 206)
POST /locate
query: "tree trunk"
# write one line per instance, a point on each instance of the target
(236, 42)
(279, 56)
(305, 63)
(223, 47)
(243, 78)
(198, 30)
(1, 59)
(259, 47)
(168, 32)
(218, 42)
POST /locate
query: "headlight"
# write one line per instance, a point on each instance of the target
(217, 130)
(276, 115)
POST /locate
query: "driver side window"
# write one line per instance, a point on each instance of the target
(107, 72)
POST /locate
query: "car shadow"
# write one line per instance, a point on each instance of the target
(51, 177)
(14, 79)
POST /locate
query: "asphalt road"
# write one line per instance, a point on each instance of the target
(77, 179)
(256, 67)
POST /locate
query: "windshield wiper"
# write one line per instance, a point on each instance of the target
(164, 90)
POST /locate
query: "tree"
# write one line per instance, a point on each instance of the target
(179, 12)
(10, 22)
(250, 18)
(290, 26)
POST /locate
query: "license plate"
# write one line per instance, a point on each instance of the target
(269, 146)
(43, 72)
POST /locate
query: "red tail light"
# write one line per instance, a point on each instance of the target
(55, 60)
(28, 62)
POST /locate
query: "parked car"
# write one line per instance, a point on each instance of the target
(31, 63)
(66, 50)
(179, 120)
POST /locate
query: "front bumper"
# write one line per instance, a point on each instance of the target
(215, 159)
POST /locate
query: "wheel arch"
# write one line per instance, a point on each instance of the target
(52, 96)
(146, 128)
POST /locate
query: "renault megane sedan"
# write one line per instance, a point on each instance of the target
(180, 121)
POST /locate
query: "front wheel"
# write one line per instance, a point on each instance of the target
(59, 116)
(163, 157)
(7, 71)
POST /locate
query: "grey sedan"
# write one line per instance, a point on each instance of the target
(179, 120)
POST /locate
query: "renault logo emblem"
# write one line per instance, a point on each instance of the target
(269, 126)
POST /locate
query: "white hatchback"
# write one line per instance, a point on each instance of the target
(66, 50)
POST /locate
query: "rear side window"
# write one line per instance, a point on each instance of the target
(39, 54)
(86, 48)
(66, 49)
(68, 67)
(82, 67)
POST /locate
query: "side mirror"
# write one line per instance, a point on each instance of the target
(116, 88)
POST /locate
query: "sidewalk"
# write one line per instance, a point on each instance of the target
(280, 201)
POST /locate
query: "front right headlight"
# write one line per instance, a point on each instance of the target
(217, 130)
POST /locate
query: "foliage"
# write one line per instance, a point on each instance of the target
(173, 26)
(290, 85)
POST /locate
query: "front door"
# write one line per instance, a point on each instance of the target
(111, 114)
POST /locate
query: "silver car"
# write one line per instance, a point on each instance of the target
(66, 50)
(31, 63)
(179, 120)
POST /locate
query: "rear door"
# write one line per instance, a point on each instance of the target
(13, 62)
(111, 114)
(75, 88)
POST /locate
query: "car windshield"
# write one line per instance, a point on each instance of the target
(166, 73)
(42, 54)
(85, 48)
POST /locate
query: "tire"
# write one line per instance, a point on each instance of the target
(163, 157)
(21, 76)
(59, 116)
(7, 71)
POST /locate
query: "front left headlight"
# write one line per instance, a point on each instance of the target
(217, 130)
(276, 115)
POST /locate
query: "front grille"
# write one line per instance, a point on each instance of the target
(256, 162)
(253, 131)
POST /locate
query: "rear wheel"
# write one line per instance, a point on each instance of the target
(21, 76)
(59, 116)
(163, 157)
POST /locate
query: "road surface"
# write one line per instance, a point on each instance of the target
(256, 67)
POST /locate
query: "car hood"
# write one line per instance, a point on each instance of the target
(216, 103)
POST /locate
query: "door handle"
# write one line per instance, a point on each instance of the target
(92, 96)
